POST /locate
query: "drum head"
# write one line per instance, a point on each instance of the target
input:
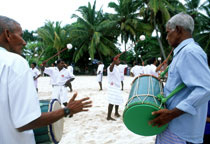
(56, 129)
(137, 116)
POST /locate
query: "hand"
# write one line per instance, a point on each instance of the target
(76, 106)
(164, 116)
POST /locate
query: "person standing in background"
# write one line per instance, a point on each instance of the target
(122, 70)
(100, 70)
(36, 74)
(71, 70)
(114, 94)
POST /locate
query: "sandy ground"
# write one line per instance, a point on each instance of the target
(92, 127)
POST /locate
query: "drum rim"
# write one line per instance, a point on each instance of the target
(142, 75)
(137, 103)
(52, 136)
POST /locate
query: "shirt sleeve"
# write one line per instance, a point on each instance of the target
(48, 71)
(23, 100)
(195, 74)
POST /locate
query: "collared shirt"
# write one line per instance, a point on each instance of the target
(189, 66)
(19, 104)
(58, 77)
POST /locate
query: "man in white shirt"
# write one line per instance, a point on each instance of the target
(19, 104)
(151, 67)
(71, 70)
(114, 93)
(122, 68)
(60, 77)
(36, 74)
(100, 70)
(137, 70)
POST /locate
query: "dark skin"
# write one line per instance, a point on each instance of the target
(13, 42)
(174, 38)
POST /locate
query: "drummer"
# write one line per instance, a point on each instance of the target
(187, 110)
(19, 104)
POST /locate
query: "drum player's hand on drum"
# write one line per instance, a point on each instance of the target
(164, 116)
(76, 106)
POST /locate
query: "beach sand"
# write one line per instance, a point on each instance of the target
(92, 127)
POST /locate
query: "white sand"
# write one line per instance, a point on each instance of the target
(92, 127)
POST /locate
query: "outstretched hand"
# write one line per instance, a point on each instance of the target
(79, 105)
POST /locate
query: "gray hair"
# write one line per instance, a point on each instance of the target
(7, 23)
(182, 19)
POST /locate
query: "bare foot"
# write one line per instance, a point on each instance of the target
(117, 115)
(110, 118)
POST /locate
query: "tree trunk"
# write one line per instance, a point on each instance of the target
(159, 41)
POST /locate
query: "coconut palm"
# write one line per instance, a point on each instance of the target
(53, 35)
(157, 12)
(92, 34)
(128, 20)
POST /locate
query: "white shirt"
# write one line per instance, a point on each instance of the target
(71, 69)
(100, 68)
(35, 73)
(121, 69)
(58, 77)
(151, 69)
(114, 76)
(19, 104)
(137, 70)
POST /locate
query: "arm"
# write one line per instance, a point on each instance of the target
(75, 106)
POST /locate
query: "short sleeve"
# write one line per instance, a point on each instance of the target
(23, 100)
(48, 71)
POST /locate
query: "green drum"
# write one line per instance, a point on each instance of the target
(53, 132)
(141, 103)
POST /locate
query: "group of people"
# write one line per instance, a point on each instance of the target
(185, 113)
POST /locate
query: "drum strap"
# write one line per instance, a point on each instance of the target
(176, 90)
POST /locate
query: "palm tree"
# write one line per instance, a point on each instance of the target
(92, 34)
(53, 35)
(157, 12)
(128, 20)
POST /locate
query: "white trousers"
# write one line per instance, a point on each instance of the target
(60, 93)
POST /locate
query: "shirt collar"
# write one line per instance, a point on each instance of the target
(182, 44)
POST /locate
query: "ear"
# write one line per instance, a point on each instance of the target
(7, 35)
(179, 29)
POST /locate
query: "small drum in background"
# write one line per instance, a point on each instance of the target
(51, 133)
(141, 103)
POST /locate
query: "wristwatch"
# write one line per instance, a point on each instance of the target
(66, 111)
